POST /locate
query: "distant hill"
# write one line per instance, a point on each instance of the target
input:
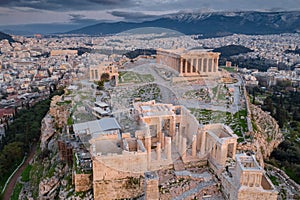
(138, 52)
(209, 24)
(262, 64)
(232, 50)
(4, 36)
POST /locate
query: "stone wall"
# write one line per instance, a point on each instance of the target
(256, 194)
(83, 182)
(102, 170)
(190, 123)
(151, 186)
(129, 187)
(228, 188)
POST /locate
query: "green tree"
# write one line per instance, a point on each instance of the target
(105, 77)
(100, 84)
(268, 105)
(281, 116)
(11, 155)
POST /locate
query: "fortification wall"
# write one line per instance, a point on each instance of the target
(119, 166)
(83, 182)
(129, 187)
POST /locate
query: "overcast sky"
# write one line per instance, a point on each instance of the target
(14, 12)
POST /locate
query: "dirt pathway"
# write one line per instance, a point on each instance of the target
(10, 187)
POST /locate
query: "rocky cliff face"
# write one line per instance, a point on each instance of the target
(59, 110)
(267, 131)
(266, 135)
(47, 131)
(50, 177)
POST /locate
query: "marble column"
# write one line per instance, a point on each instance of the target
(168, 141)
(181, 66)
(203, 142)
(174, 64)
(183, 152)
(179, 143)
(197, 65)
(177, 137)
(233, 150)
(159, 130)
(186, 66)
(194, 145)
(223, 155)
(215, 65)
(191, 65)
(209, 64)
(148, 147)
(162, 140)
(172, 127)
(158, 151)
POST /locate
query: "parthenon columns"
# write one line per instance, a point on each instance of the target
(189, 63)
(186, 65)
(181, 66)
(195, 65)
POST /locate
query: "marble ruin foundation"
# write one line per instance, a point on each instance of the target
(167, 133)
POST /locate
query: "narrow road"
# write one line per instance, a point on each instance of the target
(10, 187)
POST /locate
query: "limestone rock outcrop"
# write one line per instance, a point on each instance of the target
(47, 187)
(59, 110)
(266, 135)
(47, 131)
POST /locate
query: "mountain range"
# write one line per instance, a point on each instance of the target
(209, 24)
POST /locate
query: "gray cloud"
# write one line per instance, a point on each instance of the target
(133, 16)
(109, 2)
(162, 5)
(63, 5)
(36, 11)
(81, 19)
(151, 5)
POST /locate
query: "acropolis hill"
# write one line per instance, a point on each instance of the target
(166, 138)
(153, 131)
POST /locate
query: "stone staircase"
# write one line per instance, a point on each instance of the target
(195, 190)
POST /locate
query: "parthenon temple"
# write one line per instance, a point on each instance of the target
(189, 62)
